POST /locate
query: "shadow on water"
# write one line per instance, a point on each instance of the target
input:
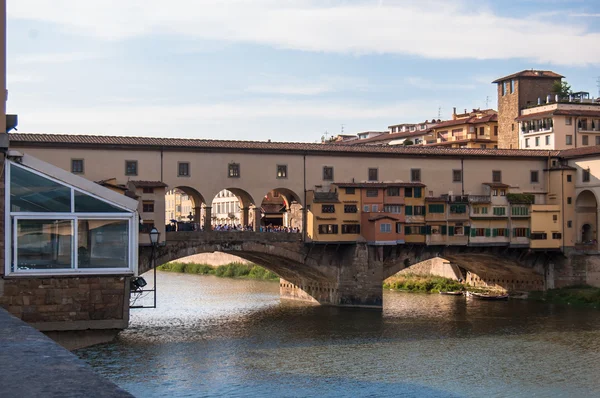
(214, 337)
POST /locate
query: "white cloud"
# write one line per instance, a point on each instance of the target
(427, 84)
(53, 58)
(224, 118)
(430, 28)
(585, 15)
(289, 89)
(22, 78)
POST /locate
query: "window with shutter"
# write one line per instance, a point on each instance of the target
(443, 230)
(409, 210)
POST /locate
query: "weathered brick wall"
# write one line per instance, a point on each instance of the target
(66, 299)
(527, 90)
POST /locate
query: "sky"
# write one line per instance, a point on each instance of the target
(285, 70)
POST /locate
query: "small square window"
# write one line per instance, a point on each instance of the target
(77, 166)
(569, 200)
(496, 129)
(148, 190)
(569, 224)
(350, 191)
(534, 176)
(366, 208)
(148, 206)
(372, 193)
(585, 176)
(281, 171)
(327, 173)
(568, 121)
(233, 170)
(131, 167)
(373, 174)
(496, 176)
(415, 175)
(547, 140)
(537, 141)
(569, 178)
(183, 169)
(598, 140)
(456, 175)
(584, 140)
(569, 139)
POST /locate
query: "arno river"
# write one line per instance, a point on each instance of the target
(213, 337)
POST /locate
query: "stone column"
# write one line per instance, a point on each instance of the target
(207, 218)
(256, 220)
(197, 212)
(244, 216)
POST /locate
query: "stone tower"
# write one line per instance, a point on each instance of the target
(516, 92)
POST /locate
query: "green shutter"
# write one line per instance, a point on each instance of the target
(443, 230)
(451, 231)
(474, 232)
(514, 232)
(423, 230)
(528, 232)
(417, 192)
(494, 232)
(467, 229)
(428, 229)
(424, 208)
(409, 210)
(487, 232)
(406, 230)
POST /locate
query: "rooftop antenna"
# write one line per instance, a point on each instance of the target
(342, 125)
(439, 112)
(487, 101)
(598, 85)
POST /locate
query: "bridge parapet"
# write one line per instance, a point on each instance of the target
(233, 236)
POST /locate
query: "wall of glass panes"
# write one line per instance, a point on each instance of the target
(54, 228)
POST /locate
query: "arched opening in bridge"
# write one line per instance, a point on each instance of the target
(586, 211)
(183, 209)
(232, 207)
(281, 207)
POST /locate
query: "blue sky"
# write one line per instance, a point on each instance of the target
(286, 70)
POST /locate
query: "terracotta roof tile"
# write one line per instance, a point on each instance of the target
(560, 112)
(582, 151)
(62, 140)
(539, 74)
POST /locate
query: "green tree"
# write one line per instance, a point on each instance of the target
(562, 88)
(408, 142)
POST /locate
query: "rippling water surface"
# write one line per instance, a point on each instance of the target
(213, 337)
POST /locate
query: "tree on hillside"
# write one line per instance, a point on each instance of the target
(562, 88)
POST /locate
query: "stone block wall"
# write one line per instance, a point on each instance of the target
(68, 303)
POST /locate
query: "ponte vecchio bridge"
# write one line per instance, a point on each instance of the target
(348, 268)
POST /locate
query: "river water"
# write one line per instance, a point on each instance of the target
(213, 337)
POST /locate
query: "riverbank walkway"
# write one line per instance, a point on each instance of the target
(33, 365)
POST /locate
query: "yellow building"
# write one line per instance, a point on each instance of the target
(333, 216)
(476, 129)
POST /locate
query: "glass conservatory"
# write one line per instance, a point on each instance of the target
(61, 224)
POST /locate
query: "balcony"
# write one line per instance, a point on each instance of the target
(480, 199)
(543, 130)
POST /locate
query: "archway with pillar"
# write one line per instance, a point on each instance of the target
(183, 206)
(282, 207)
(231, 206)
(586, 212)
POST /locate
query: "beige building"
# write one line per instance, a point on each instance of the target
(559, 125)
(475, 129)
(516, 92)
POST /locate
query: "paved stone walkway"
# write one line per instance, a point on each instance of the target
(32, 365)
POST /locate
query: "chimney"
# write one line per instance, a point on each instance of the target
(454, 113)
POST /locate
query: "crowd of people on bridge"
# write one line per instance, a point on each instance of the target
(189, 226)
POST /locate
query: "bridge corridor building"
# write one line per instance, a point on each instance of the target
(367, 211)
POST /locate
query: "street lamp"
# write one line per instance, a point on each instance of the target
(154, 234)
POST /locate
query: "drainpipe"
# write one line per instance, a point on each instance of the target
(304, 221)
(161, 164)
(462, 179)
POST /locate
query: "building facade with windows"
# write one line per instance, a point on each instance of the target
(559, 125)
(515, 93)
(476, 129)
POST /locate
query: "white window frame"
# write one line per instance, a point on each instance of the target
(10, 229)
